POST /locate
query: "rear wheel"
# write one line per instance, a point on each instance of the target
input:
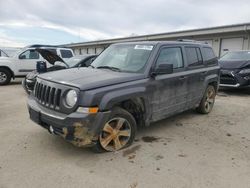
(207, 101)
(118, 132)
(5, 76)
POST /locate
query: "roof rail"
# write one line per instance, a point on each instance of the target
(189, 40)
(41, 45)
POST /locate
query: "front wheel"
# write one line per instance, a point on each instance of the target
(207, 102)
(118, 132)
(5, 76)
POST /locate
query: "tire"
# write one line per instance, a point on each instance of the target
(121, 126)
(207, 102)
(5, 76)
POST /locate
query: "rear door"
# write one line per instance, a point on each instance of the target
(196, 75)
(170, 90)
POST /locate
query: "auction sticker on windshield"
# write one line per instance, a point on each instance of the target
(143, 47)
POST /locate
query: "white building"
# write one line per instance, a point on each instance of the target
(222, 39)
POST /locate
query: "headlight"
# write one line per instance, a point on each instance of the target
(245, 71)
(71, 98)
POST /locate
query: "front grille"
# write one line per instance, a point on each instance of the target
(228, 79)
(47, 95)
(51, 95)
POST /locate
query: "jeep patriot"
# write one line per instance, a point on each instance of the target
(129, 85)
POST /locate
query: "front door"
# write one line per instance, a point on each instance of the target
(27, 61)
(170, 90)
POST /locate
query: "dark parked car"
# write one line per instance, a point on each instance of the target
(57, 63)
(129, 85)
(235, 69)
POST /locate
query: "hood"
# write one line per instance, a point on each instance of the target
(48, 55)
(32, 75)
(89, 78)
(237, 64)
(5, 58)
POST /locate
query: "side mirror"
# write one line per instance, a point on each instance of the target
(163, 69)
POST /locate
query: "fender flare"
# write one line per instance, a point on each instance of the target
(114, 97)
(211, 79)
(9, 69)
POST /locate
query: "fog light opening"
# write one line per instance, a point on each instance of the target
(51, 130)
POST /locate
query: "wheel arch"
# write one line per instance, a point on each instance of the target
(133, 100)
(11, 72)
(213, 80)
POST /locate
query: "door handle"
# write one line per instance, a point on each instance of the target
(205, 72)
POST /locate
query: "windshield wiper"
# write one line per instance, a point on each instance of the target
(109, 67)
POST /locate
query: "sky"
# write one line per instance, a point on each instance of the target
(25, 22)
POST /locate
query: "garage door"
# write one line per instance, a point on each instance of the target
(231, 44)
(84, 51)
(91, 51)
(210, 42)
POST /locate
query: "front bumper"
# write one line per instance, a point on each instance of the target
(78, 128)
(234, 80)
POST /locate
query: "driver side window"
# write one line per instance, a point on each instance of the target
(29, 54)
(171, 56)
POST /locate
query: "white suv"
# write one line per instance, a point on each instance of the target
(24, 61)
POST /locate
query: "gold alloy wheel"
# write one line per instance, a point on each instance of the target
(210, 98)
(115, 134)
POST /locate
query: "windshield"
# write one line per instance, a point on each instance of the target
(124, 57)
(244, 55)
(11, 51)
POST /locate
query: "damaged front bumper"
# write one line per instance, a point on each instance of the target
(231, 79)
(80, 129)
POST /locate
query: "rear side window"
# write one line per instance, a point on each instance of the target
(171, 56)
(66, 53)
(209, 55)
(194, 57)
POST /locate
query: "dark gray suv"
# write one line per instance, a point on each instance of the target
(129, 85)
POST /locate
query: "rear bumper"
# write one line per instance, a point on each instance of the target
(78, 128)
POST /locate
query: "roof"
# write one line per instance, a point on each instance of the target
(41, 45)
(44, 46)
(175, 34)
(181, 42)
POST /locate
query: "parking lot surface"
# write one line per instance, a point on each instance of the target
(188, 150)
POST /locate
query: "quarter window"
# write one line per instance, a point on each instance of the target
(171, 56)
(209, 54)
(194, 57)
(66, 53)
(29, 54)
